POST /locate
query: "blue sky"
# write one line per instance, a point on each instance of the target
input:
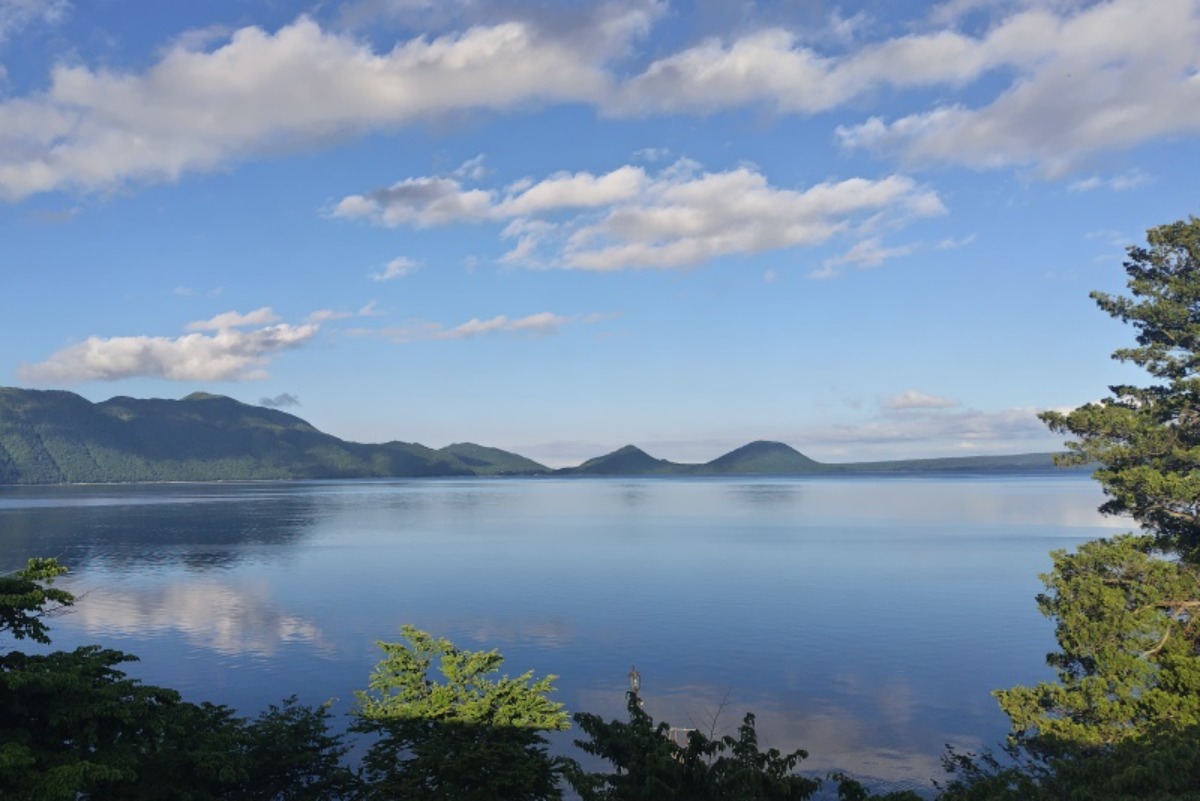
(864, 229)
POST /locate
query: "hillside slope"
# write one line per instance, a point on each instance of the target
(59, 437)
(762, 457)
(627, 461)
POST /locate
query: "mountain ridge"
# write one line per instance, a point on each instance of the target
(55, 436)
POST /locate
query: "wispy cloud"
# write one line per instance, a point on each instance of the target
(234, 319)
(914, 399)
(472, 169)
(16, 15)
(925, 432)
(865, 253)
(627, 218)
(951, 243)
(325, 315)
(398, 267)
(538, 325)
(1116, 183)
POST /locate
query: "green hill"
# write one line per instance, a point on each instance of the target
(491, 461)
(59, 437)
(626, 461)
(765, 458)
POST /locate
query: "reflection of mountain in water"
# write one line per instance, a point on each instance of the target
(199, 527)
(777, 495)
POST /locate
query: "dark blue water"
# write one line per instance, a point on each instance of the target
(863, 619)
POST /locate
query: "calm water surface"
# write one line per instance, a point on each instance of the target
(863, 619)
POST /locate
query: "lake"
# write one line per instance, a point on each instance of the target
(863, 619)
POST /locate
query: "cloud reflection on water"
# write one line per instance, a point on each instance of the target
(860, 740)
(225, 617)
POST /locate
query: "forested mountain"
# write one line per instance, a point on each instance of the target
(56, 437)
(51, 437)
(627, 461)
(763, 457)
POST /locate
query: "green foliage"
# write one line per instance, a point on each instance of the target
(1164, 766)
(73, 725)
(27, 597)
(651, 766)
(849, 789)
(291, 755)
(1122, 719)
(1129, 641)
(1147, 439)
(473, 735)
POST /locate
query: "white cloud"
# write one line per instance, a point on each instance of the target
(580, 190)
(1075, 81)
(260, 92)
(913, 399)
(772, 66)
(398, 267)
(627, 219)
(228, 355)
(429, 201)
(232, 319)
(684, 222)
(1103, 78)
(421, 202)
(594, 29)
